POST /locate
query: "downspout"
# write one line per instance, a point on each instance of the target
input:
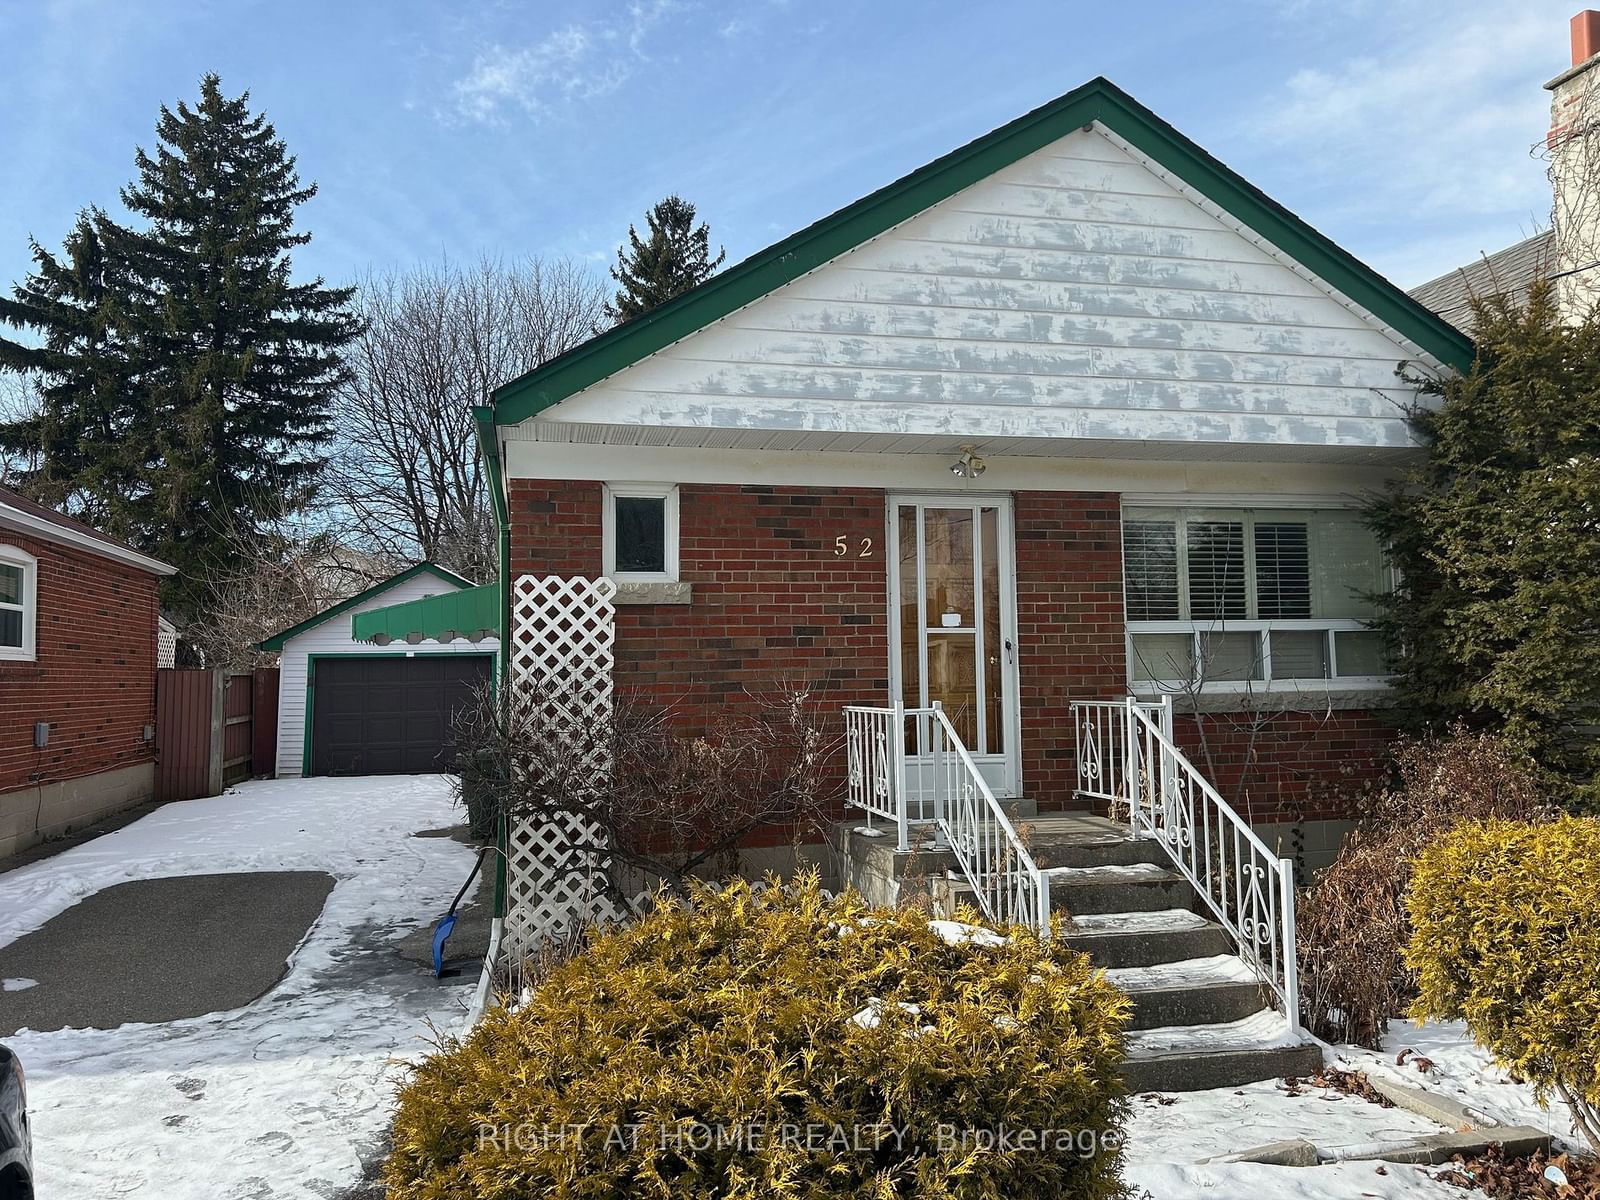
(489, 448)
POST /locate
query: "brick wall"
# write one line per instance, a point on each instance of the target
(94, 676)
(772, 598)
(1284, 766)
(1069, 626)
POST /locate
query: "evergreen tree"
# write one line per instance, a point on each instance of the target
(1495, 621)
(78, 443)
(674, 257)
(186, 377)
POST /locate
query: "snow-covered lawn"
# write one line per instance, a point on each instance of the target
(1167, 1138)
(284, 1097)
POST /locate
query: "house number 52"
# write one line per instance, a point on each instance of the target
(841, 547)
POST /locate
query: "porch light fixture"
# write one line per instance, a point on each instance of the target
(969, 465)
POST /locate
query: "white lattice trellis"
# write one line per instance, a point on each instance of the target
(563, 630)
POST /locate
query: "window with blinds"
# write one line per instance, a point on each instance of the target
(1240, 597)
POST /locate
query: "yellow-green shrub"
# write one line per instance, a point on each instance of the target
(1506, 936)
(736, 1014)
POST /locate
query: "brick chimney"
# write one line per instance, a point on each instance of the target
(1574, 149)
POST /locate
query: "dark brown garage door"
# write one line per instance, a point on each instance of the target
(382, 715)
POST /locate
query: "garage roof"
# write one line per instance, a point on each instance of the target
(276, 641)
(472, 613)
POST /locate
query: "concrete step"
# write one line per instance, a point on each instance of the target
(1190, 1058)
(1130, 888)
(1113, 851)
(1146, 939)
(1198, 991)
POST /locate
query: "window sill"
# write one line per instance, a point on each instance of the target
(633, 591)
(1278, 699)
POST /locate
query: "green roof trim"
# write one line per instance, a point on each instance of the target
(472, 613)
(1098, 100)
(276, 641)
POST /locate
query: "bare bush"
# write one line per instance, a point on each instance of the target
(1352, 925)
(662, 805)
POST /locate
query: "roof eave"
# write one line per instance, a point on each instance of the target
(50, 531)
(1098, 100)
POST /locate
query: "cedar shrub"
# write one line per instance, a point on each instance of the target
(741, 1010)
(1495, 620)
(1505, 922)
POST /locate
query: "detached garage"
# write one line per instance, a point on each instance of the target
(360, 708)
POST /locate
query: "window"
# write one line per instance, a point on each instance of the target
(641, 532)
(1229, 599)
(18, 604)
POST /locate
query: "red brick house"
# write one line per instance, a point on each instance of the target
(78, 631)
(1073, 413)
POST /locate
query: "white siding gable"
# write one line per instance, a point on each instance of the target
(1076, 294)
(333, 637)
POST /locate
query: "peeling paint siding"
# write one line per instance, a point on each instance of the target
(1074, 294)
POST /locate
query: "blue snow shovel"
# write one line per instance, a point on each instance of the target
(447, 923)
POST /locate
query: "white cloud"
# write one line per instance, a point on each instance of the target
(579, 62)
(1431, 135)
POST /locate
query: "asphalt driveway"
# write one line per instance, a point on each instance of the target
(159, 950)
(170, 1051)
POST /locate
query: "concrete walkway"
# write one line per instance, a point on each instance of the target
(159, 950)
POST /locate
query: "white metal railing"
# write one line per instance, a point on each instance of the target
(875, 752)
(1008, 884)
(1106, 765)
(1248, 888)
(950, 796)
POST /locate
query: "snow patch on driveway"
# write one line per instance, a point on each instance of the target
(284, 1097)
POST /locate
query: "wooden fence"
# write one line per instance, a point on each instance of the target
(213, 729)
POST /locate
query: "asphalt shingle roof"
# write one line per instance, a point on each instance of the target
(1510, 272)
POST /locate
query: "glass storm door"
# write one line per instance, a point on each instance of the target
(953, 628)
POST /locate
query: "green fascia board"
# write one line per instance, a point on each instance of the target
(276, 641)
(1098, 100)
(460, 614)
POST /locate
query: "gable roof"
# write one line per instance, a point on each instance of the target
(1509, 272)
(28, 516)
(276, 641)
(1099, 100)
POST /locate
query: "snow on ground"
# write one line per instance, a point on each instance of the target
(1461, 1070)
(286, 1096)
(1166, 1141)
(1168, 1136)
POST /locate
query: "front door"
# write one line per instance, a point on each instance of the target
(953, 628)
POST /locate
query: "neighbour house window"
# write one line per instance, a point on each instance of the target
(18, 604)
(640, 532)
(1229, 599)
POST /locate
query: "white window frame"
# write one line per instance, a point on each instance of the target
(1196, 508)
(16, 556)
(608, 530)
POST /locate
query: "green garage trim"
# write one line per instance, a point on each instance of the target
(472, 613)
(276, 641)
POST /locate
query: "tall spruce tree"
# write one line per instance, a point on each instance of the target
(1495, 621)
(80, 441)
(673, 257)
(186, 377)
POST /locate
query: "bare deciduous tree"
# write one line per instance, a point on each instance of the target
(438, 340)
(271, 577)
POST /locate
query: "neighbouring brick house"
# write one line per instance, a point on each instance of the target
(1072, 413)
(78, 657)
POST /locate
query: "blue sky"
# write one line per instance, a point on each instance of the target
(1403, 129)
